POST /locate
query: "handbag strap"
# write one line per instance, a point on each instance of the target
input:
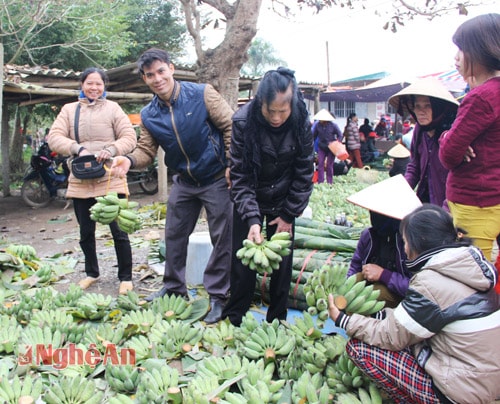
(77, 121)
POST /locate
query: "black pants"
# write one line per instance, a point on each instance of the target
(243, 279)
(88, 242)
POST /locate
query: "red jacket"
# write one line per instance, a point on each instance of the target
(477, 125)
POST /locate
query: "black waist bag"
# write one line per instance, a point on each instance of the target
(87, 167)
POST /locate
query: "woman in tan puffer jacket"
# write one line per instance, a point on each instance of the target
(105, 131)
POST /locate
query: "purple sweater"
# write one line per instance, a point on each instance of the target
(425, 171)
(397, 282)
(477, 125)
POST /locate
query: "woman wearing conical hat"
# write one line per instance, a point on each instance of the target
(433, 108)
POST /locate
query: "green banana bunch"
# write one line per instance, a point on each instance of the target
(320, 284)
(266, 256)
(123, 378)
(32, 336)
(314, 359)
(220, 336)
(129, 220)
(121, 399)
(106, 208)
(334, 346)
(343, 375)
(262, 392)
(69, 298)
(175, 338)
(9, 334)
(347, 398)
(359, 297)
(370, 396)
(10, 261)
(109, 208)
(172, 307)
(268, 341)
(203, 389)
(73, 390)
(12, 392)
(143, 320)
(311, 389)
(103, 335)
(224, 368)
(23, 251)
(130, 301)
(92, 306)
(305, 329)
(54, 319)
(159, 386)
(248, 324)
(142, 347)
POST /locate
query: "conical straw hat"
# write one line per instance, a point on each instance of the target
(323, 115)
(398, 152)
(429, 86)
(392, 197)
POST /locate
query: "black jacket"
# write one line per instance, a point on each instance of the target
(279, 182)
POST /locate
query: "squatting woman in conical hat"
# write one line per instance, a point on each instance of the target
(433, 108)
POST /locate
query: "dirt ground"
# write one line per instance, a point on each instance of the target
(53, 230)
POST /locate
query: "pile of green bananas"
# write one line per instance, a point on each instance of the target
(159, 386)
(109, 208)
(311, 389)
(268, 341)
(68, 390)
(122, 379)
(17, 390)
(25, 252)
(221, 335)
(266, 256)
(343, 375)
(172, 307)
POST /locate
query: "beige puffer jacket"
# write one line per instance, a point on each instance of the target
(102, 124)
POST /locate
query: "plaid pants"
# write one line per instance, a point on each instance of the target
(395, 372)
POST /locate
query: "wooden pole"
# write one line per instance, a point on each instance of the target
(327, 66)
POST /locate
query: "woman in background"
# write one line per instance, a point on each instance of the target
(353, 142)
(471, 148)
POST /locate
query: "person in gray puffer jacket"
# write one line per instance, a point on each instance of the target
(440, 344)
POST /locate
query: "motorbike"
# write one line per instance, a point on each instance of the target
(47, 178)
(146, 178)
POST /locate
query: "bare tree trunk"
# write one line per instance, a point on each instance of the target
(221, 66)
(16, 144)
(5, 151)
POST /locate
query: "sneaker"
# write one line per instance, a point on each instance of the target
(87, 282)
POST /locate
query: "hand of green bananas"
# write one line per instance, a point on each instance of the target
(266, 256)
(109, 208)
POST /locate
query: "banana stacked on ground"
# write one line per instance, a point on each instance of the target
(73, 390)
(268, 341)
(14, 391)
(109, 208)
(23, 251)
(122, 379)
(311, 389)
(349, 295)
(266, 256)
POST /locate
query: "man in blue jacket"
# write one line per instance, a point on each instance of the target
(192, 123)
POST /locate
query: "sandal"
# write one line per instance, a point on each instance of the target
(87, 282)
(125, 286)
